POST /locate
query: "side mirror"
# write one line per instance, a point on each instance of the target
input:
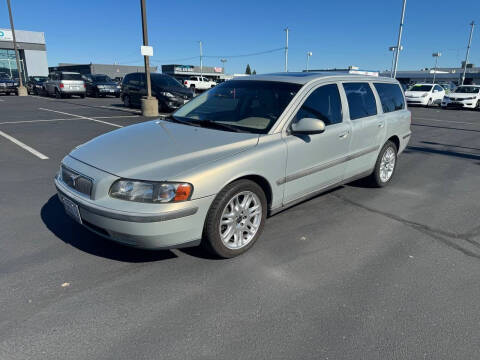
(308, 126)
(435, 91)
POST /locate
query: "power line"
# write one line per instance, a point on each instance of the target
(245, 55)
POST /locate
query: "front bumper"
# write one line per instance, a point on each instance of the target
(163, 226)
(113, 92)
(417, 100)
(469, 104)
(8, 90)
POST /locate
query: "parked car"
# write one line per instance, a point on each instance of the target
(35, 85)
(448, 86)
(199, 83)
(211, 172)
(465, 96)
(64, 84)
(7, 84)
(169, 92)
(425, 94)
(101, 85)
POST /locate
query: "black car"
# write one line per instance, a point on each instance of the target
(35, 85)
(101, 86)
(7, 84)
(170, 93)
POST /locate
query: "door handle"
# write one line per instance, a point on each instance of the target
(344, 135)
(381, 124)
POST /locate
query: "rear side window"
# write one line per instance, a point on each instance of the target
(323, 104)
(361, 101)
(391, 97)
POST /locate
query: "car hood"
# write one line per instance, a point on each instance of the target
(415, 93)
(462, 95)
(158, 150)
(176, 90)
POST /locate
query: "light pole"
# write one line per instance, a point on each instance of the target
(309, 53)
(22, 90)
(286, 49)
(436, 56)
(223, 65)
(201, 58)
(150, 103)
(472, 24)
(393, 48)
(399, 41)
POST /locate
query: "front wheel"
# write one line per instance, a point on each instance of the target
(385, 165)
(126, 101)
(236, 219)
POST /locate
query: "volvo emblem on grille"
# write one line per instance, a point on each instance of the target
(74, 178)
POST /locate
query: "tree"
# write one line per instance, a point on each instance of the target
(248, 70)
(254, 72)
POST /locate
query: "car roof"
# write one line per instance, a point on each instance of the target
(305, 77)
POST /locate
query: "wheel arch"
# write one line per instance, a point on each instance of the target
(260, 181)
(396, 140)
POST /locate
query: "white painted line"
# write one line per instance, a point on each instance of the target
(2, 100)
(25, 147)
(34, 121)
(447, 121)
(115, 117)
(121, 109)
(82, 117)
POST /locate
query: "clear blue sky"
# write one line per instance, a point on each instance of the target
(339, 33)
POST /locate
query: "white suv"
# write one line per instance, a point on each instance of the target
(425, 94)
(465, 96)
(199, 83)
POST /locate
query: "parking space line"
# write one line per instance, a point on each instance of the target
(447, 121)
(24, 146)
(82, 117)
(2, 100)
(121, 109)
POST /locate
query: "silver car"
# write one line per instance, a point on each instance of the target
(213, 171)
(64, 84)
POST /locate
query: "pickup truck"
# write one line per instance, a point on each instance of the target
(199, 83)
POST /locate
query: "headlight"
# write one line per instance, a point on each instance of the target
(468, 98)
(167, 94)
(425, 94)
(150, 192)
(119, 87)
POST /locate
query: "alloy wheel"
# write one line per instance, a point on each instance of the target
(241, 219)
(387, 164)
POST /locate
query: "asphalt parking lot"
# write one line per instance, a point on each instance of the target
(357, 273)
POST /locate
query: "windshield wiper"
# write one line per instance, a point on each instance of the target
(177, 120)
(215, 125)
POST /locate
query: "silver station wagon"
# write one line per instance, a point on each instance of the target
(213, 171)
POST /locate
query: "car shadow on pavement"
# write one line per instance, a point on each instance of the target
(67, 230)
(411, 149)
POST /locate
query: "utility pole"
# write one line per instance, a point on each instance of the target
(309, 53)
(22, 90)
(472, 24)
(286, 50)
(223, 65)
(399, 42)
(150, 103)
(436, 56)
(201, 59)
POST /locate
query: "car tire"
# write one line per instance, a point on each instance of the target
(478, 105)
(384, 166)
(57, 94)
(126, 101)
(230, 229)
(430, 102)
(82, 96)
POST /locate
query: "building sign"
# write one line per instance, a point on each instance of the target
(217, 69)
(184, 68)
(6, 35)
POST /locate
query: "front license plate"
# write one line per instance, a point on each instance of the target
(72, 209)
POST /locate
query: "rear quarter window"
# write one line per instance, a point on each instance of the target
(391, 97)
(361, 101)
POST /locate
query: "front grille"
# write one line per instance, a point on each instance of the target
(77, 181)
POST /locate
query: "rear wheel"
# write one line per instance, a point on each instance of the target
(385, 165)
(57, 94)
(126, 101)
(235, 219)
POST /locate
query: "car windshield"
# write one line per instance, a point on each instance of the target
(71, 77)
(165, 81)
(249, 106)
(467, 89)
(101, 78)
(4, 76)
(420, 88)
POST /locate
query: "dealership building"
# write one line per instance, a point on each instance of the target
(112, 70)
(32, 52)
